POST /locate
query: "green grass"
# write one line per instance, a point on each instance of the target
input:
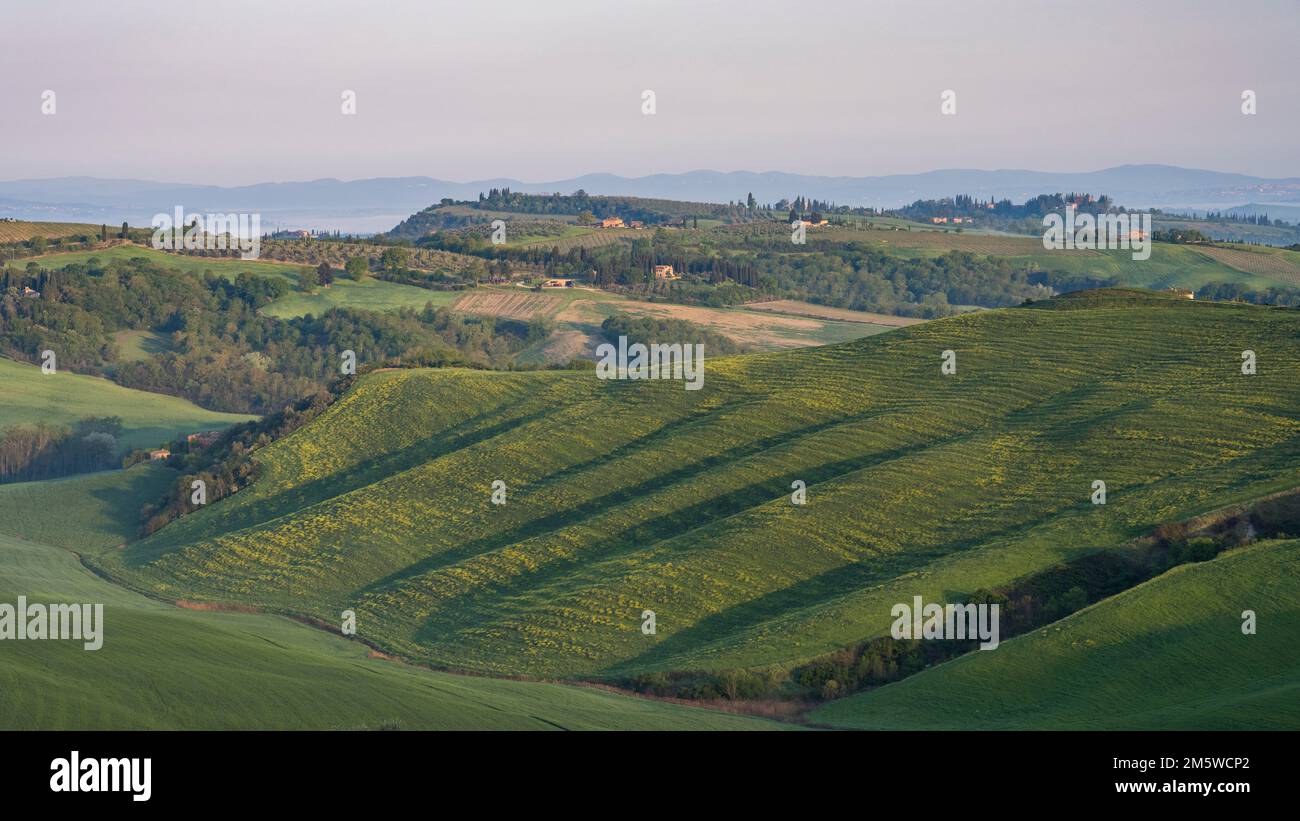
(221, 266)
(162, 667)
(1170, 266)
(569, 231)
(134, 346)
(1168, 654)
(91, 512)
(148, 419)
(23, 230)
(830, 331)
(369, 295)
(626, 496)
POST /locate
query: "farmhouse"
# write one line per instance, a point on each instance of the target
(665, 272)
(1182, 292)
(31, 292)
(159, 454)
(558, 283)
(611, 222)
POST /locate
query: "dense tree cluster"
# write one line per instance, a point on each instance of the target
(1236, 292)
(220, 352)
(44, 451)
(744, 263)
(964, 205)
(650, 211)
(226, 466)
(1245, 219)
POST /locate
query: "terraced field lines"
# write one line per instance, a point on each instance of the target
(522, 305)
(1273, 263)
(162, 667)
(644, 495)
(21, 231)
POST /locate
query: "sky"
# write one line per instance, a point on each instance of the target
(237, 92)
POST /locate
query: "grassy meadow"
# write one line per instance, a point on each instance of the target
(148, 419)
(23, 230)
(164, 667)
(370, 294)
(625, 496)
(229, 267)
(1170, 265)
(1169, 654)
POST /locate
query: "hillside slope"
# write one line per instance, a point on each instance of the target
(162, 667)
(1169, 654)
(148, 419)
(632, 495)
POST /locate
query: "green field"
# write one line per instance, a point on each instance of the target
(23, 230)
(85, 513)
(370, 294)
(134, 346)
(627, 495)
(1168, 654)
(1170, 265)
(367, 295)
(148, 419)
(222, 266)
(162, 667)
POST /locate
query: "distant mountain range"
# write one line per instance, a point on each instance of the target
(377, 204)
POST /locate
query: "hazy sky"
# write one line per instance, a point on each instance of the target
(238, 92)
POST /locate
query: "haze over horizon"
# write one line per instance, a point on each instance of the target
(836, 89)
(182, 182)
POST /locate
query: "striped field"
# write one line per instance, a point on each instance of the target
(625, 496)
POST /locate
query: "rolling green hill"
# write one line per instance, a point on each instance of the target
(148, 419)
(224, 266)
(370, 294)
(83, 513)
(367, 295)
(1170, 266)
(162, 667)
(633, 495)
(23, 230)
(1168, 654)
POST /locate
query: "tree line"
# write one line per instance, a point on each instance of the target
(219, 351)
(32, 452)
